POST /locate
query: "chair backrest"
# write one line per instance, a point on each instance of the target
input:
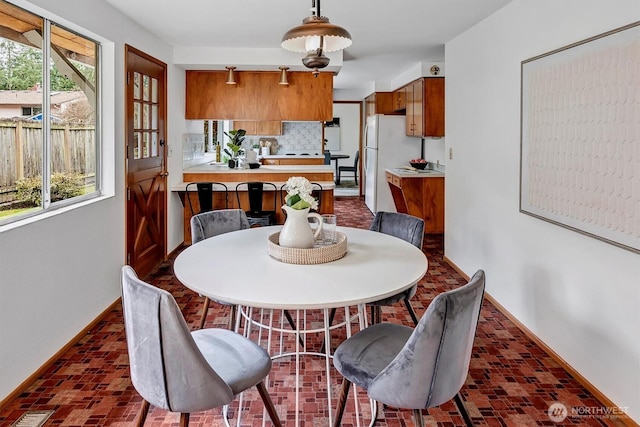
(406, 227)
(209, 224)
(167, 368)
(355, 160)
(327, 157)
(255, 193)
(434, 362)
(205, 195)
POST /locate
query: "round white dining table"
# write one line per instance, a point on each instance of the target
(236, 268)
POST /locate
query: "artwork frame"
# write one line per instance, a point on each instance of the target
(580, 137)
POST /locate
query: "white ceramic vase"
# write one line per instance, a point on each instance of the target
(296, 232)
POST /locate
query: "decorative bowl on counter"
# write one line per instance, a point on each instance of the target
(418, 165)
(254, 165)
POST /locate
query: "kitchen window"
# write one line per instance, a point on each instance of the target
(50, 157)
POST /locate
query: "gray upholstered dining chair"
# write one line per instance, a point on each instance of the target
(415, 368)
(182, 371)
(213, 223)
(410, 229)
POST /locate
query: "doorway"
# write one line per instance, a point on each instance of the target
(146, 165)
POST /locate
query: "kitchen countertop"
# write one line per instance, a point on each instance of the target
(294, 156)
(223, 168)
(425, 173)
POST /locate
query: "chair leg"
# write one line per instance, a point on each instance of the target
(411, 312)
(205, 310)
(142, 414)
(419, 419)
(268, 403)
(184, 419)
(232, 317)
(463, 410)
(293, 325)
(342, 401)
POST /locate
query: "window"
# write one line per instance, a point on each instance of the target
(49, 136)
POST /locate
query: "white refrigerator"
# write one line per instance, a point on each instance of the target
(385, 147)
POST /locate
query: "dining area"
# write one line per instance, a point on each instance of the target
(104, 394)
(300, 296)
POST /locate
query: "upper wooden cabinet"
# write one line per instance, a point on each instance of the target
(425, 107)
(379, 103)
(258, 96)
(259, 127)
(400, 99)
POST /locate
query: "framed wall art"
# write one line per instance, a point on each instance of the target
(580, 137)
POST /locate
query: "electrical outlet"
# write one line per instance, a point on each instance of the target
(450, 153)
(170, 152)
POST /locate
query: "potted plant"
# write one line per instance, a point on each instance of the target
(235, 144)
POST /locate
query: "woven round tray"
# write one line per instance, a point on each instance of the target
(318, 255)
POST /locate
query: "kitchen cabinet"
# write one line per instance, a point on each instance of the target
(379, 103)
(421, 196)
(425, 107)
(259, 127)
(400, 99)
(414, 111)
(258, 96)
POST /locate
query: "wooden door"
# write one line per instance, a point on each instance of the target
(146, 170)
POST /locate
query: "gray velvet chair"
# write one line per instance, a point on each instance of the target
(410, 229)
(213, 223)
(182, 371)
(415, 368)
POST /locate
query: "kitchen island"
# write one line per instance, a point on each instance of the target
(293, 159)
(275, 174)
(421, 194)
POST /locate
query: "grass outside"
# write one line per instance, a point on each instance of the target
(12, 212)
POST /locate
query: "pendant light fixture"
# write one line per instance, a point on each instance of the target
(315, 36)
(231, 78)
(283, 76)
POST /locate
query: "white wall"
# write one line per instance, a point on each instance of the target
(579, 295)
(349, 114)
(60, 272)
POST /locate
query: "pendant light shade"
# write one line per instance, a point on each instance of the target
(314, 37)
(231, 78)
(316, 32)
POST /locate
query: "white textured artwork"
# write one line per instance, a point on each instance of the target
(580, 137)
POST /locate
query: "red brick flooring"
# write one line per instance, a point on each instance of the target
(511, 381)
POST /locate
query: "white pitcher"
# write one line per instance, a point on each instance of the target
(296, 232)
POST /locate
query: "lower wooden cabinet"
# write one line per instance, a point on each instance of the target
(420, 196)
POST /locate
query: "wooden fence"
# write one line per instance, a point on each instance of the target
(73, 150)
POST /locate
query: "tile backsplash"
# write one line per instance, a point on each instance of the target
(297, 137)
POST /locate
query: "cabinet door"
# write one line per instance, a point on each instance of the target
(433, 107)
(399, 99)
(418, 107)
(269, 127)
(410, 105)
(248, 125)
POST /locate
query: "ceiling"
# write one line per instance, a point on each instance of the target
(389, 37)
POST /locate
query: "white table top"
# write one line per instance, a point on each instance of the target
(236, 268)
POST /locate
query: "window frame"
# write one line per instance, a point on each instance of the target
(46, 205)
